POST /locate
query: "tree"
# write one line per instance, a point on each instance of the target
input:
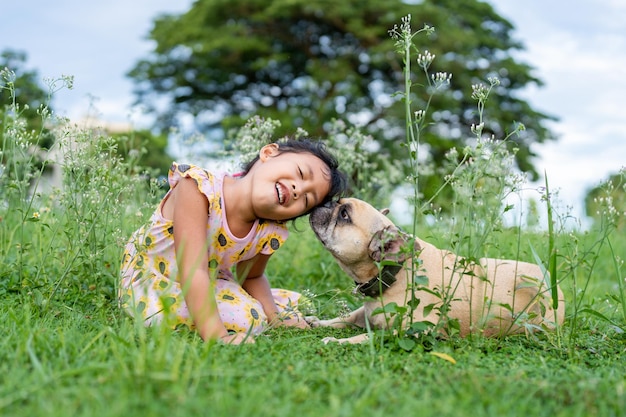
(305, 62)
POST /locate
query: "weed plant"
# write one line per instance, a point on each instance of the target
(69, 350)
(483, 178)
(60, 247)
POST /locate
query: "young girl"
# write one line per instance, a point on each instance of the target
(179, 268)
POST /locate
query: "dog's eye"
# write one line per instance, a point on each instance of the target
(343, 213)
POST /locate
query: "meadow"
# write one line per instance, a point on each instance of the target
(67, 349)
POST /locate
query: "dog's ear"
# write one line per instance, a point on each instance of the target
(386, 244)
(385, 211)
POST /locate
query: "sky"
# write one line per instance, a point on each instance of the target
(579, 51)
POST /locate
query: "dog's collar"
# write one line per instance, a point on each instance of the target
(376, 286)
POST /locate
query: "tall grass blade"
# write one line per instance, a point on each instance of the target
(620, 283)
(551, 250)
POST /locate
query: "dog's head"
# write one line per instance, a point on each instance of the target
(358, 236)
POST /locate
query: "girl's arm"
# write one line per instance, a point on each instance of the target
(257, 285)
(190, 225)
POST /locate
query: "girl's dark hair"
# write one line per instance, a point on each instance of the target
(338, 180)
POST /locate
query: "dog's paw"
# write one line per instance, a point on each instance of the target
(354, 340)
(313, 321)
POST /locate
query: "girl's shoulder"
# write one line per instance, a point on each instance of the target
(205, 179)
(185, 170)
(208, 183)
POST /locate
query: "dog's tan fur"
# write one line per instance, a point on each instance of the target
(489, 298)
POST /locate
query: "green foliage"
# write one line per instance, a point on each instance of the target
(23, 98)
(64, 244)
(306, 63)
(145, 149)
(25, 123)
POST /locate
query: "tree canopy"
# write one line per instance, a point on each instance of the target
(306, 62)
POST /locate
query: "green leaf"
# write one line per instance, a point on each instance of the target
(420, 280)
(406, 344)
(413, 303)
(429, 308)
(420, 327)
(601, 316)
(391, 307)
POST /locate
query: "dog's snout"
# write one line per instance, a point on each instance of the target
(321, 216)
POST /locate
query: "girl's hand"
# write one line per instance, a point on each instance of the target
(236, 339)
(290, 320)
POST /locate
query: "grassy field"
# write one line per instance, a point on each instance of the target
(67, 349)
(78, 355)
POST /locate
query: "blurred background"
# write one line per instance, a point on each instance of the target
(203, 68)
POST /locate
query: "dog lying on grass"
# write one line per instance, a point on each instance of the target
(493, 297)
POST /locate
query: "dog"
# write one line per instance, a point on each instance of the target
(493, 297)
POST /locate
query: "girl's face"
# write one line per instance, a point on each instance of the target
(287, 185)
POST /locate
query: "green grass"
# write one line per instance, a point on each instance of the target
(71, 364)
(76, 359)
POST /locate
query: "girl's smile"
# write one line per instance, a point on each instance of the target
(283, 194)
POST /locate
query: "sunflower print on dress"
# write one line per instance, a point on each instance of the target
(217, 209)
(213, 264)
(233, 327)
(160, 284)
(148, 242)
(126, 262)
(252, 314)
(227, 296)
(182, 168)
(221, 242)
(169, 231)
(140, 306)
(273, 240)
(162, 265)
(168, 304)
